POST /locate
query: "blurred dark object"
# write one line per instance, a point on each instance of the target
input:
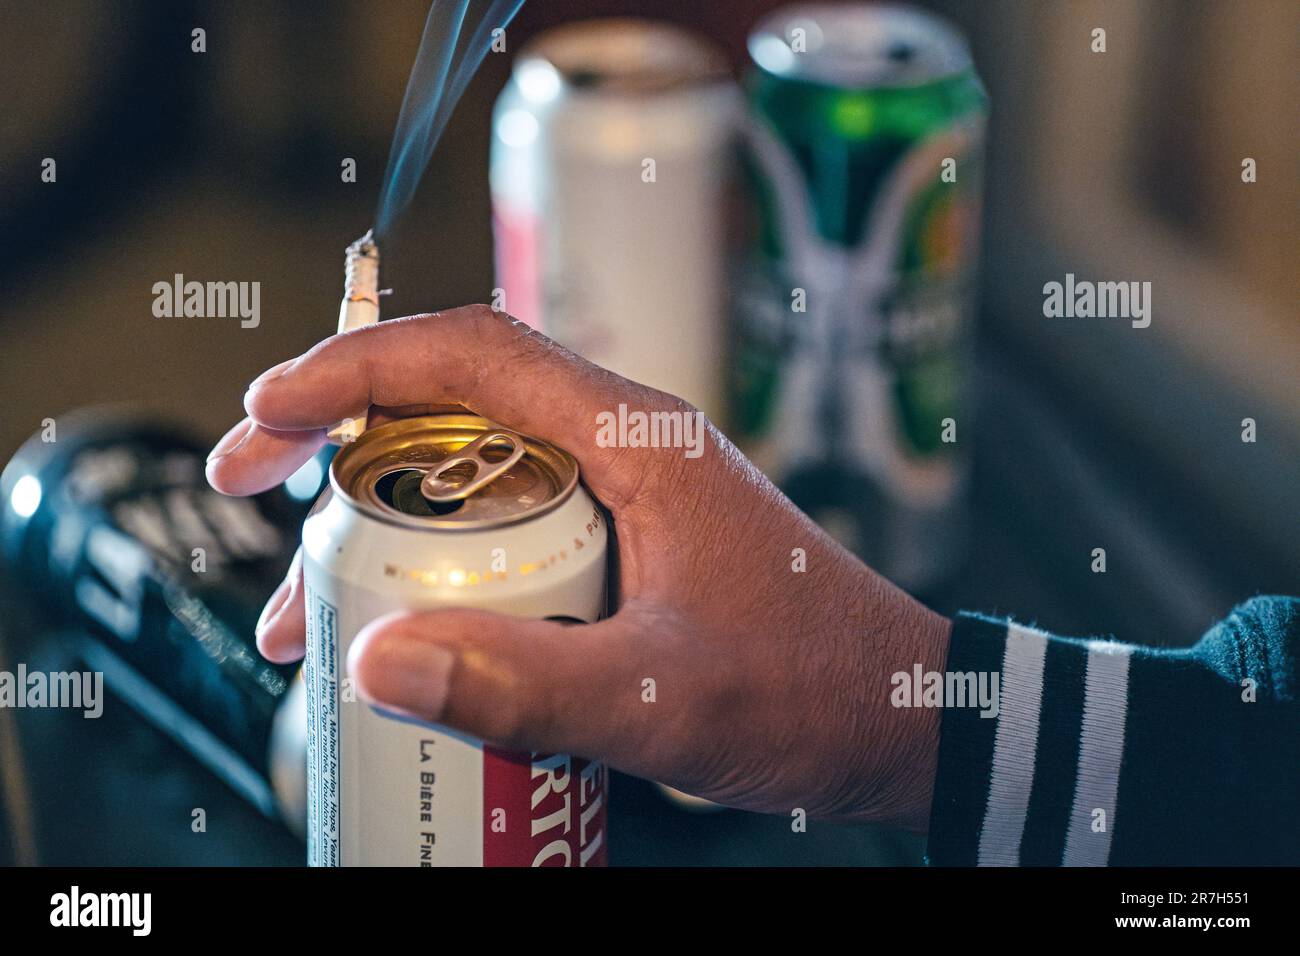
(109, 520)
(1128, 165)
(118, 791)
(17, 830)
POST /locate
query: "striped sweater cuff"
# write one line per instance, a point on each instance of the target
(1035, 781)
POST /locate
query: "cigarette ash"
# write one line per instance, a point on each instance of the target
(361, 270)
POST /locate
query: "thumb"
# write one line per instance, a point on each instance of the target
(518, 683)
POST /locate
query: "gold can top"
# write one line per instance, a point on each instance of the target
(452, 471)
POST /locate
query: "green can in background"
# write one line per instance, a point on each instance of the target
(865, 147)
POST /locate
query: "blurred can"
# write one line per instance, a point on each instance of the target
(422, 513)
(612, 157)
(851, 349)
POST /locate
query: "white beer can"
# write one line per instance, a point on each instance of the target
(444, 511)
(612, 158)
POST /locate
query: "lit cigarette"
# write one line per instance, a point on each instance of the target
(360, 307)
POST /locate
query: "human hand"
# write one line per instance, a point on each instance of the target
(772, 685)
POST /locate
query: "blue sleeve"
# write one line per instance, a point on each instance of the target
(1108, 753)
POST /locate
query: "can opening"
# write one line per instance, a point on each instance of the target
(451, 471)
(400, 490)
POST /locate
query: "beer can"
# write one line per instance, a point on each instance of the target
(612, 157)
(864, 145)
(444, 511)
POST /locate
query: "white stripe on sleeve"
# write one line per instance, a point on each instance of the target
(1101, 746)
(1015, 747)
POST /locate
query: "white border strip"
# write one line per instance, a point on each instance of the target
(1015, 747)
(1101, 747)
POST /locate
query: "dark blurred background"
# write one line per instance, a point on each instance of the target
(1090, 434)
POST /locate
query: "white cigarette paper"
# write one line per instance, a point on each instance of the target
(360, 307)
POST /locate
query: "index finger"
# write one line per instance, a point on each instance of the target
(484, 360)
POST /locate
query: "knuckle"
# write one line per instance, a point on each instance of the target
(499, 337)
(486, 322)
(661, 471)
(480, 314)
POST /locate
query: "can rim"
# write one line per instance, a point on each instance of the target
(351, 464)
(841, 64)
(626, 54)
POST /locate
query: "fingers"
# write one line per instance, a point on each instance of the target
(484, 360)
(251, 458)
(522, 684)
(281, 630)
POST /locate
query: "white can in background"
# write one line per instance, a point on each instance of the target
(428, 512)
(612, 157)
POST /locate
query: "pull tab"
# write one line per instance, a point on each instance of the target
(439, 491)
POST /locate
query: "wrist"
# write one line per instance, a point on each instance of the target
(908, 721)
(922, 725)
